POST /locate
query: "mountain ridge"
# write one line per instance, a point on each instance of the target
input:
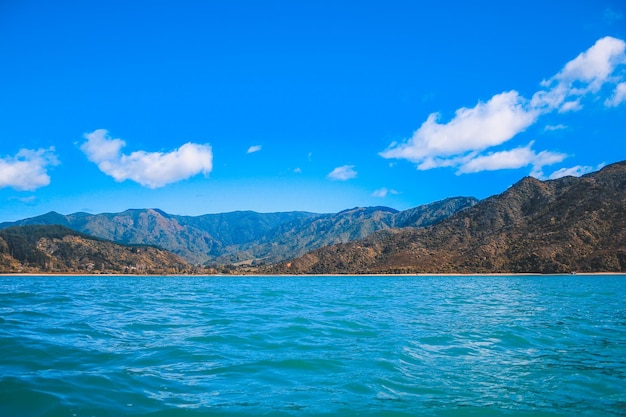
(565, 225)
(59, 249)
(556, 226)
(345, 226)
(245, 236)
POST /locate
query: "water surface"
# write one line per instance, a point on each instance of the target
(353, 346)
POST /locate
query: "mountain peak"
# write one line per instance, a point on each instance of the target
(369, 210)
(159, 212)
(557, 226)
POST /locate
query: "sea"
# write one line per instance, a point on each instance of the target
(313, 346)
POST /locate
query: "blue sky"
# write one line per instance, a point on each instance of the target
(211, 106)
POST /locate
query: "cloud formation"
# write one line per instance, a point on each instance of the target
(551, 128)
(382, 192)
(343, 173)
(618, 97)
(585, 74)
(512, 159)
(150, 169)
(483, 126)
(575, 171)
(254, 148)
(462, 141)
(28, 169)
(26, 200)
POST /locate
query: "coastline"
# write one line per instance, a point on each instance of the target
(494, 274)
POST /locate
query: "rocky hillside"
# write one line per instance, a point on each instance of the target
(296, 238)
(196, 239)
(58, 249)
(246, 237)
(559, 226)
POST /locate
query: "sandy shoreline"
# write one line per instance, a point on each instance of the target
(498, 274)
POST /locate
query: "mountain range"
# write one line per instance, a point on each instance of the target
(246, 237)
(58, 249)
(565, 225)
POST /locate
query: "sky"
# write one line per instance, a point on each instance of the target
(197, 107)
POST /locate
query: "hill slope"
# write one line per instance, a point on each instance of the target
(45, 248)
(246, 236)
(296, 238)
(565, 225)
(196, 239)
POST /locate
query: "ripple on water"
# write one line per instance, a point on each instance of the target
(425, 346)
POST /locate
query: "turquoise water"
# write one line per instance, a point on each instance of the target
(348, 346)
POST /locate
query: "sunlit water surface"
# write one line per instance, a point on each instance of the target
(366, 346)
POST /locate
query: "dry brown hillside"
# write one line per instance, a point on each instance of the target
(557, 226)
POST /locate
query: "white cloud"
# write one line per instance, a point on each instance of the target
(383, 192)
(380, 193)
(343, 173)
(573, 105)
(101, 147)
(150, 169)
(585, 74)
(298, 170)
(253, 149)
(27, 170)
(619, 96)
(511, 159)
(551, 128)
(575, 171)
(461, 141)
(595, 65)
(472, 129)
(26, 200)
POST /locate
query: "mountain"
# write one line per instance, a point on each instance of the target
(245, 237)
(196, 239)
(55, 248)
(298, 237)
(557, 226)
(239, 227)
